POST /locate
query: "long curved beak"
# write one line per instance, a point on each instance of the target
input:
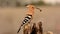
(39, 9)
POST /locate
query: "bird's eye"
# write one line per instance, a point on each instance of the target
(32, 7)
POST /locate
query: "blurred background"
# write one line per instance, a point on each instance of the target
(17, 3)
(12, 12)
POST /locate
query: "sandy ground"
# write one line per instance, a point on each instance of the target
(11, 18)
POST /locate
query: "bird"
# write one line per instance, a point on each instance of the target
(29, 15)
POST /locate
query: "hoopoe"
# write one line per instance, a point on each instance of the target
(29, 15)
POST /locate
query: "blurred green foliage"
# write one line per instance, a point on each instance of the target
(18, 4)
(40, 3)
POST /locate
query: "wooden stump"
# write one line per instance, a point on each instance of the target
(34, 30)
(27, 29)
(40, 29)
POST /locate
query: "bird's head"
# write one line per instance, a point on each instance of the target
(30, 6)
